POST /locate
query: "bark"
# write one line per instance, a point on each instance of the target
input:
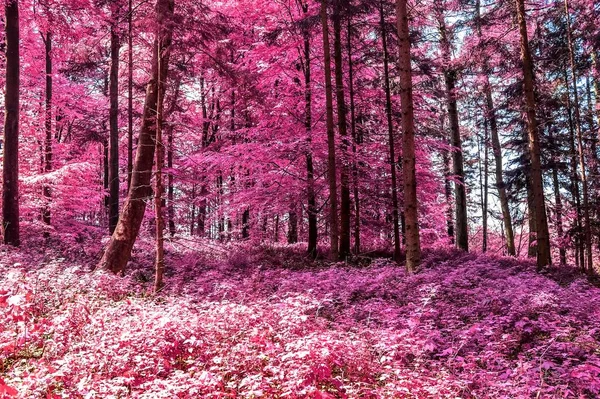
(413, 244)
(391, 141)
(345, 203)
(354, 142)
(484, 177)
(587, 230)
(113, 146)
(48, 127)
(460, 193)
(543, 236)
(557, 203)
(332, 175)
(292, 237)
(170, 187)
(119, 248)
(310, 174)
(10, 170)
(159, 265)
(130, 93)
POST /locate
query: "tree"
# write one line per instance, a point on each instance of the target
(541, 221)
(413, 242)
(10, 170)
(119, 247)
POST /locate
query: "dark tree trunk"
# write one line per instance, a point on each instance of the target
(130, 93)
(542, 236)
(119, 248)
(10, 170)
(345, 203)
(113, 170)
(355, 142)
(310, 173)
(48, 128)
(391, 141)
(332, 174)
(292, 225)
(460, 193)
(413, 242)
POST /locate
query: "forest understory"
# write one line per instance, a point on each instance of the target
(249, 321)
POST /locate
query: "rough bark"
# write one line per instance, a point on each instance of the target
(413, 244)
(391, 140)
(113, 144)
(119, 248)
(543, 236)
(345, 203)
(48, 128)
(130, 93)
(355, 142)
(331, 173)
(460, 193)
(10, 170)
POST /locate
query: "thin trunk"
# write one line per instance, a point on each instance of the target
(579, 257)
(332, 175)
(587, 229)
(413, 242)
(119, 248)
(558, 204)
(48, 128)
(460, 193)
(130, 93)
(354, 141)
(391, 141)
(170, 187)
(159, 265)
(345, 204)
(113, 146)
(543, 236)
(10, 170)
(484, 179)
(310, 174)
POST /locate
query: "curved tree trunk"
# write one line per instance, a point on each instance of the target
(119, 248)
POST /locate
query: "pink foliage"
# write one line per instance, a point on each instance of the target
(466, 326)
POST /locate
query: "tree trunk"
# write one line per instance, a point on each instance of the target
(159, 265)
(391, 141)
(48, 127)
(587, 230)
(354, 141)
(170, 187)
(293, 225)
(10, 170)
(558, 203)
(483, 176)
(345, 204)
(113, 147)
(119, 248)
(332, 174)
(543, 236)
(310, 174)
(460, 193)
(413, 244)
(130, 93)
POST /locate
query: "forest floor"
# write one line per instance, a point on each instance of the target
(244, 322)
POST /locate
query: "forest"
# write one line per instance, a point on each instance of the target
(319, 199)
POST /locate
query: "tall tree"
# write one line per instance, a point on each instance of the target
(411, 212)
(119, 247)
(113, 145)
(345, 204)
(332, 174)
(541, 221)
(10, 171)
(587, 229)
(48, 128)
(460, 192)
(129, 92)
(390, 129)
